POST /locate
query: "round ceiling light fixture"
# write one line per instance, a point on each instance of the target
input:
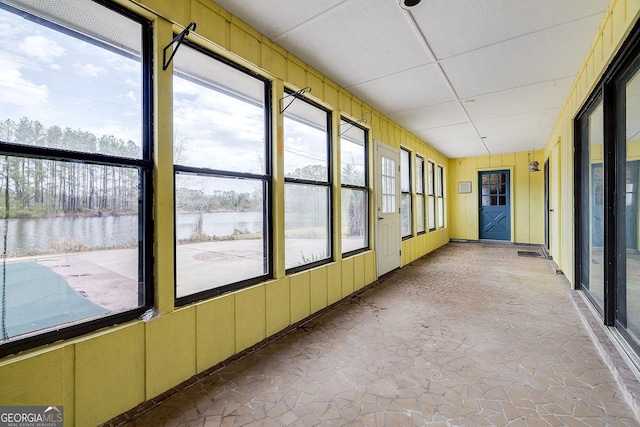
(408, 4)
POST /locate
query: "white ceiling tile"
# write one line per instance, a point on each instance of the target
(454, 27)
(525, 99)
(451, 140)
(434, 116)
(548, 55)
(523, 140)
(407, 90)
(360, 41)
(267, 16)
(518, 122)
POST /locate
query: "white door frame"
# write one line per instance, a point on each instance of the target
(387, 217)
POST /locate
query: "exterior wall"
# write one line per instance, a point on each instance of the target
(618, 22)
(102, 374)
(527, 196)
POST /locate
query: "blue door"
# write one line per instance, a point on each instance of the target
(495, 205)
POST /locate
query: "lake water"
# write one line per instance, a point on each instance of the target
(27, 235)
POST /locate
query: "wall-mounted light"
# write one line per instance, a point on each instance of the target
(408, 4)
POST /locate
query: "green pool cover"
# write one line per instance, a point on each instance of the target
(38, 298)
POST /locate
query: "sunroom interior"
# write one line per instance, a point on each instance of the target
(182, 180)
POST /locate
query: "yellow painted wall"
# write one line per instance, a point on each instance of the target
(618, 22)
(527, 196)
(102, 374)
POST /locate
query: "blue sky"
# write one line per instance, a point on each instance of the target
(55, 78)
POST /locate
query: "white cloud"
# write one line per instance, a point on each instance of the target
(18, 91)
(132, 96)
(41, 48)
(55, 67)
(88, 70)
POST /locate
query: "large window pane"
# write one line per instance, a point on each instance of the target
(405, 213)
(222, 176)
(420, 217)
(218, 112)
(354, 196)
(405, 171)
(306, 224)
(440, 189)
(73, 205)
(629, 292)
(354, 219)
(307, 195)
(596, 205)
(69, 89)
(219, 232)
(431, 214)
(305, 142)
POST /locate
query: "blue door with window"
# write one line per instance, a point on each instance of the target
(495, 205)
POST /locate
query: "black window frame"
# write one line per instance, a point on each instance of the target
(440, 198)
(266, 179)
(364, 188)
(420, 176)
(144, 166)
(614, 167)
(431, 194)
(328, 184)
(403, 193)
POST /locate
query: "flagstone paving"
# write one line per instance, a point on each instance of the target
(471, 335)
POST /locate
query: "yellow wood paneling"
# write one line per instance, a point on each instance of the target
(170, 350)
(215, 331)
(278, 300)
(33, 379)
(210, 23)
(109, 372)
(318, 288)
(358, 272)
(300, 296)
(334, 283)
(347, 277)
(250, 317)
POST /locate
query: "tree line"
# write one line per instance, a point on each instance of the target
(39, 187)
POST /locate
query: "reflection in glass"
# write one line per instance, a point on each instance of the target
(629, 292)
(305, 142)
(354, 219)
(420, 219)
(405, 211)
(352, 154)
(81, 230)
(219, 232)
(596, 217)
(405, 171)
(217, 109)
(306, 224)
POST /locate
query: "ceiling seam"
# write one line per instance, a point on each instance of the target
(521, 36)
(313, 18)
(425, 44)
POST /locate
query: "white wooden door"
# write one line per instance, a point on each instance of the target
(388, 235)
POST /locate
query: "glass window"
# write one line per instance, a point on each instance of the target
(74, 202)
(405, 196)
(441, 197)
(420, 200)
(354, 191)
(431, 195)
(628, 304)
(307, 198)
(221, 176)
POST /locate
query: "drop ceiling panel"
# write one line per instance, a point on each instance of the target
(275, 17)
(360, 41)
(434, 116)
(453, 139)
(518, 123)
(454, 27)
(523, 140)
(406, 90)
(525, 99)
(544, 56)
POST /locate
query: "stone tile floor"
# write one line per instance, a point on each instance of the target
(471, 335)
